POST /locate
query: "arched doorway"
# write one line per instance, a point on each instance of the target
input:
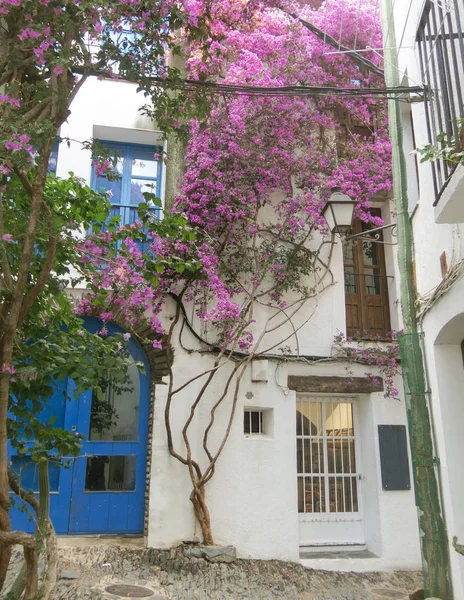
(103, 489)
(447, 377)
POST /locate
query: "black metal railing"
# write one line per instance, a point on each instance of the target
(440, 42)
(366, 303)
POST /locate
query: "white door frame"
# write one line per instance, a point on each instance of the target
(338, 527)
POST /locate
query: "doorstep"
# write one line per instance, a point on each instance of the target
(355, 558)
(116, 541)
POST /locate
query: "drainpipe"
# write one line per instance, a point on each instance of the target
(433, 535)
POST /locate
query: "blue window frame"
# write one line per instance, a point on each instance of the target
(138, 171)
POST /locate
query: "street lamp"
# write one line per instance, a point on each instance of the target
(338, 212)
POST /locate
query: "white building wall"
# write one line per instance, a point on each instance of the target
(444, 333)
(253, 494)
(443, 323)
(108, 110)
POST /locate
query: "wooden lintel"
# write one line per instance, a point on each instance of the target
(334, 385)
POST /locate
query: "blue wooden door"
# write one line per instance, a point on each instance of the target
(109, 477)
(103, 491)
(60, 473)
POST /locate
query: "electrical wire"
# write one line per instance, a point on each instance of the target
(357, 25)
(362, 61)
(401, 73)
(289, 90)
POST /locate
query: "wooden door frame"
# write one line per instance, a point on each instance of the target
(359, 274)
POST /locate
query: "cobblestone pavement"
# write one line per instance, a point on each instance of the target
(86, 572)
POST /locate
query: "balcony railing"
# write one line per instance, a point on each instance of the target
(366, 301)
(440, 42)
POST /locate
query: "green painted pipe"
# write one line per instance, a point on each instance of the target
(434, 539)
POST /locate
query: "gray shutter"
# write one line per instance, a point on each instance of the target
(394, 462)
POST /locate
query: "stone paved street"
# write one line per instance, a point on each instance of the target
(86, 572)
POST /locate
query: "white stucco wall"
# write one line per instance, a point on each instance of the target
(253, 495)
(444, 332)
(108, 110)
(443, 324)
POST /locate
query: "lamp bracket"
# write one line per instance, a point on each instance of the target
(374, 239)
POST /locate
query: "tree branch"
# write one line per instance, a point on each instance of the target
(167, 408)
(213, 411)
(35, 111)
(12, 538)
(21, 492)
(41, 280)
(6, 272)
(24, 181)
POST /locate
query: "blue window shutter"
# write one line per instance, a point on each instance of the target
(123, 204)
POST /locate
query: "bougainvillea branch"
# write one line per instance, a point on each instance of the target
(382, 354)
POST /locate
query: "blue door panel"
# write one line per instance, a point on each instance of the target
(98, 510)
(118, 513)
(23, 517)
(122, 465)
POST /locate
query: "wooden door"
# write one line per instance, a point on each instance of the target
(109, 478)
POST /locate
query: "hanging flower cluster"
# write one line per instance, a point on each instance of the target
(385, 357)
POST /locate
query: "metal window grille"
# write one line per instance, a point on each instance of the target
(253, 422)
(326, 457)
(440, 42)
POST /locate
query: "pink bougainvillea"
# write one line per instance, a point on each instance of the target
(260, 168)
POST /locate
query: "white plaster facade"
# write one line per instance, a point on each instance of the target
(438, 242)
(253, 495)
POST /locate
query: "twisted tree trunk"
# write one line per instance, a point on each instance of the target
(197, 497)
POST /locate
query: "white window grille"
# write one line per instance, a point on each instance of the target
(440, 45)
(253, 422)
(326, 457)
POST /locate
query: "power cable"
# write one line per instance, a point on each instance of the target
(400, 45)
(289, 90)
(253, 90)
